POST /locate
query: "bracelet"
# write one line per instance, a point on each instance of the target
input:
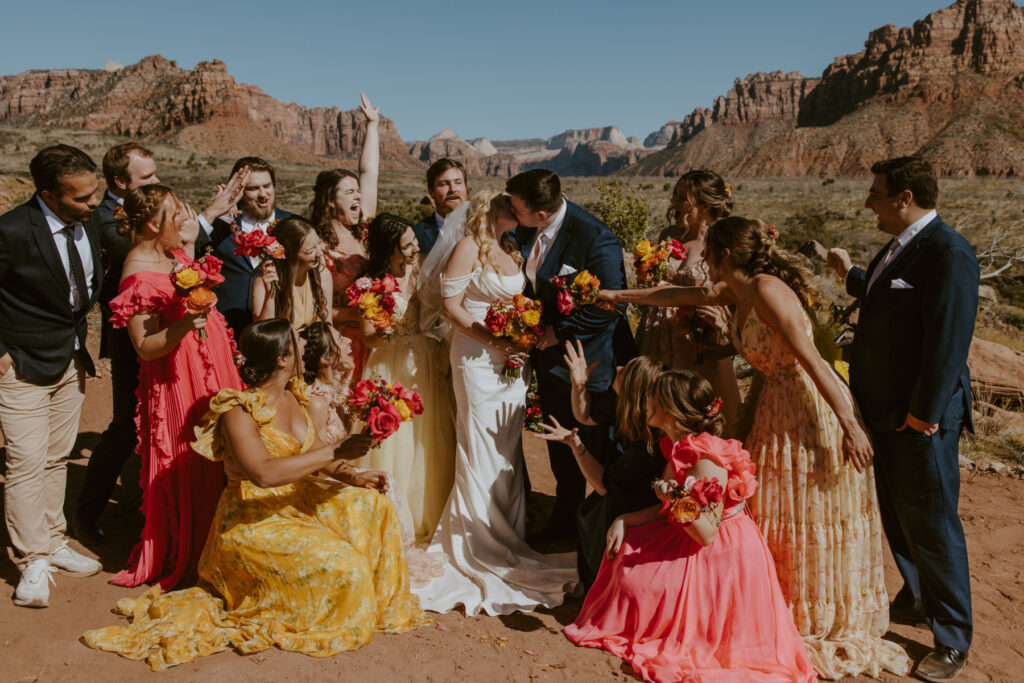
(581, 451)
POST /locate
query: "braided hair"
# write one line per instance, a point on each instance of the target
(142, 205)
(688, 399)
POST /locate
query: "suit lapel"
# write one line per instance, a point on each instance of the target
(48, 248)
(554, 256)
(906, 253)
(92, 233)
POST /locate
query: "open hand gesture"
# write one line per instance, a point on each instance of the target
(371, 113)
(579, 371)
(569, 437)
(227, 195)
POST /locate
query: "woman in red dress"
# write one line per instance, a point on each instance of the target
(185, 359)
(693, 598)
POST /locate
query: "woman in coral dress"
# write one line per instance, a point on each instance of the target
(300, 562)
(816, 504)
(697, 600)
(178, 374)
(421, 454)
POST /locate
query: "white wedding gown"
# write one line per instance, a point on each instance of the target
(489, 566)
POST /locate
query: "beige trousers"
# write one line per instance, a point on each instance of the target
(40, 424)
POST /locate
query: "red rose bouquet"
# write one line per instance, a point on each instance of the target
(258, 244)
(375, 299)
(580, 291)
(650, 261)
(519, 322)
(383, 406)
(195, 281)
(693, 498)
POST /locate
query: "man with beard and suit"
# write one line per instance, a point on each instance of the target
(257, 210)
(49, 279)
(446, 185)
(558, 238)
(908, 372)
(126, 167)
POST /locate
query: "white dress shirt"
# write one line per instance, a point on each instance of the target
(246, 224)
(541, 245)
(901, 241)
(81, 243)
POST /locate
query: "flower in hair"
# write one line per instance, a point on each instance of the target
(239, 359)
(772, 233)
(120, 214)
(728, 190)
(714, 408)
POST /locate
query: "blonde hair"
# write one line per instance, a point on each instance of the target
(142, 205)
(639, 378)
(483, 206)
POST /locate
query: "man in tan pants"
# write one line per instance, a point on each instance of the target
(50, 276)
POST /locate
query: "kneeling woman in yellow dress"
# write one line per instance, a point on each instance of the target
(299, 561)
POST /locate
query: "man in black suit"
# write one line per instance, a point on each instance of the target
(446, 185)
(908, 372)
(257, 211)
(49, 279)
(558, 238)
(126, 167)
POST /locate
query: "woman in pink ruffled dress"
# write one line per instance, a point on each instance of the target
(179, 372)
(693, 598)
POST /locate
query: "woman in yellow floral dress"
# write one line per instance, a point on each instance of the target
(299, 561)
(817, 509)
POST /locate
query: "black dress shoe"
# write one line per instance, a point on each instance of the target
(88, 533)
(906, 616)
(941, 664)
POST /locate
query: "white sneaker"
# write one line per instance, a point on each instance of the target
(76, 564)
(34, 587)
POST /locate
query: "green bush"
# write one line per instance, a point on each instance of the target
(626, 212)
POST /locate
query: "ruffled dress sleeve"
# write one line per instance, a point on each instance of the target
(138, 293)
(726, 453)
(253, 401)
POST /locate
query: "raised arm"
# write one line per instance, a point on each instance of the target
(778, 307)
(369, 158)
(579, 375)
(668, 296)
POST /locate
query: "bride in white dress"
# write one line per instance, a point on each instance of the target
(490, 567)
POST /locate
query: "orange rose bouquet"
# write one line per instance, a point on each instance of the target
(580, 291)
(195, 281)
(375, 299)
(383, 406)
(650, 260)
(692, 499)
(519, 322)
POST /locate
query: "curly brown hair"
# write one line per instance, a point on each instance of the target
(142, 205)
(688, 399)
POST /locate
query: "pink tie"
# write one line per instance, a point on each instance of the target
(885, 261)
(533, 263)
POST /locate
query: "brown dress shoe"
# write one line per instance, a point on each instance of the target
(941, 664)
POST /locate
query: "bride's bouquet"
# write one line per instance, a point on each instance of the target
(534, 413)
(383, 406)
(650, 260)
(519, 322)
(194, 282)
(580, 291)
(375, 299)
(692, 499)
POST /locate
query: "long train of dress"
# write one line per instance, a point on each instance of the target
(490, 567)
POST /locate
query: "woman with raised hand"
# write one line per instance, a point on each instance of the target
(694, 341)
(421, 454)
(688, 590)
(490, 567)
(816, 504)
(343, 202)
(185, 359)
(297, 287)
(624, 484)
(293, 560)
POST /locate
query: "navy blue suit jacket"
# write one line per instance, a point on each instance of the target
(582, 243)
(909, 352)
(427, 231)
(115, 251)
(37, 324)
(234, 295)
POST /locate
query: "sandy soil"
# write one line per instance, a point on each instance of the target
(43, 645)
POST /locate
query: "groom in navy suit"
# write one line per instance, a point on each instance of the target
(908, 372)
(559, 238)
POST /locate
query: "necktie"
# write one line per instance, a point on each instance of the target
(79, 287)
(883, 263)
(536, 254)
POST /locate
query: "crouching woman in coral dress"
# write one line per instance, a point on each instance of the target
(300, 562)
(693, 600)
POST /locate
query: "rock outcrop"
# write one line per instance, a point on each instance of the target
(951, 88)
(155, 98)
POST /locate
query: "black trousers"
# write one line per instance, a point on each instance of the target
(918, 482)
(119, 441)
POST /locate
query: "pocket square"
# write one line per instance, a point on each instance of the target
(900, 283)
(566, 270)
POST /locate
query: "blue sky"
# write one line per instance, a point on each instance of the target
(511, 70)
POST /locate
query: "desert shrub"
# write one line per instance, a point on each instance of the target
(1011, 315)
(623, 210)
(410, 209)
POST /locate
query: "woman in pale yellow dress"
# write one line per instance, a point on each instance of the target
(817, 509)
(302, 562)
(297, 287)
(421, 454)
